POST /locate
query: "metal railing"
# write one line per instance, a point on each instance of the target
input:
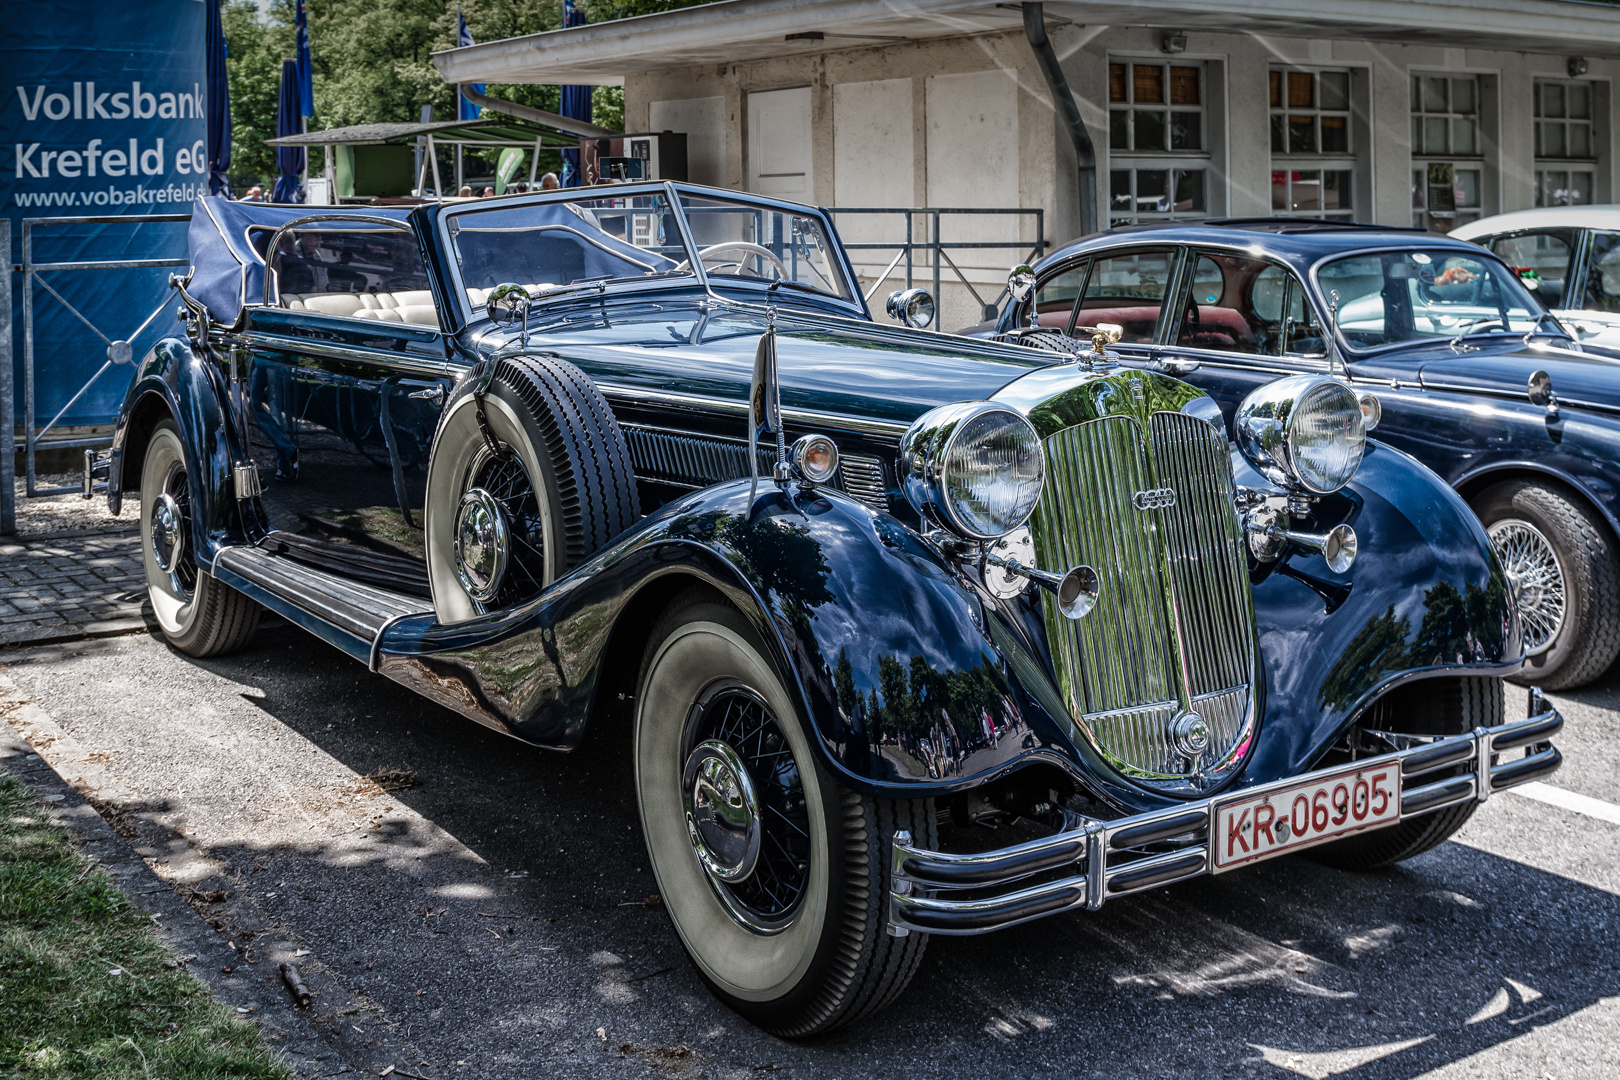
(937, 251)
(119, 350)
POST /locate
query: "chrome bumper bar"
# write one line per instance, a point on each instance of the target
(940, 893)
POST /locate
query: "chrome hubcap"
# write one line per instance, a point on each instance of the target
(1535, 579)
(722, 811)
(168, 538)
(482, 543)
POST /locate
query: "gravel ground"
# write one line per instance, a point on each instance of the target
(55, 515)
(493, 920)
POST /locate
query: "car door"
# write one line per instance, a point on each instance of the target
(1593, 310)
(1548, 261)
(1240, 322)
(1129, 288)
(347, 373)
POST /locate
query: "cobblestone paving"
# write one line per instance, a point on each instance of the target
(72, 571)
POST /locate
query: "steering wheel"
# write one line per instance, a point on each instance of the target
(744, 246)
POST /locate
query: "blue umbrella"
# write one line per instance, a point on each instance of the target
(219, 106)
(576, 102)
(306, 66)
(464, 37)
(289, 159)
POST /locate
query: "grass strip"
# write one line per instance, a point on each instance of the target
(86, 989)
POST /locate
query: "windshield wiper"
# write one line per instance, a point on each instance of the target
(791, 284)
(1543, 317)
(1469, 328)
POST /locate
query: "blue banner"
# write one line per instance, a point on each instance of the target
(105, 113)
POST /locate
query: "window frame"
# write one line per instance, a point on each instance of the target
(1286, 363)
(1177, 253)
(1476, 161)
(1574, 268)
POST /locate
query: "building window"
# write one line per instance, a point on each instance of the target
(1156, 113)
(1566, 144)
(1313, 159)
(1447, 156)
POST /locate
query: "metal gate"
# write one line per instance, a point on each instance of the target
(119, 350)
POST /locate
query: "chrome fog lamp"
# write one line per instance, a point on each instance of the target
(974, 467)
(814, 458)
(911, 307)
(1306, 433)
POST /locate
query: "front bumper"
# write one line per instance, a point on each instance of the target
(941, 893)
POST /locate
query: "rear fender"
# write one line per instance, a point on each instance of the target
(173, 382)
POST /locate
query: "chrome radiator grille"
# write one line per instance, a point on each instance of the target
(1173, 628)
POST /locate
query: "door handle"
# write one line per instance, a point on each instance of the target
(434, 394)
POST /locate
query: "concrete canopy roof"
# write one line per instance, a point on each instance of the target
(737, 31)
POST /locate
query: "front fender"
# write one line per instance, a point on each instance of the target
(175, 381)
(901, 684)
(1426, 597)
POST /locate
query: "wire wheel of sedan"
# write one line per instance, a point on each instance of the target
(1564, 577)
(199, 615)
(775, 876)
(528, 478)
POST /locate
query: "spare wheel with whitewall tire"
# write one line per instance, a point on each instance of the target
(528, 478)
(775, 875)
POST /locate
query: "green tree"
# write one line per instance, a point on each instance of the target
(373, 63)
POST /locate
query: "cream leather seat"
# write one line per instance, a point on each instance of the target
(406, 306)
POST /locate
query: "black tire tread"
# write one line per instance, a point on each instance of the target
(587, 448)
(1595, 574)
(871, 968)
(1482, 706)
(226, 623)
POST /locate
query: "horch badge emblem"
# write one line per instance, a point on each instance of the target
(1154, 499)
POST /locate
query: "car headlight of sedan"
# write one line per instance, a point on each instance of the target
(974, 467)
(1306, 433)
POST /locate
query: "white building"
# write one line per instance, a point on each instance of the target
(1426, 112)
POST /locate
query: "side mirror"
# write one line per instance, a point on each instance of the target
(911, 307)
(1540, 392)
(765, 409)
(506, 304)
(1021, 286)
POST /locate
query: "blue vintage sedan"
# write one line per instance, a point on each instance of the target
(1471, 375)
(910, 634)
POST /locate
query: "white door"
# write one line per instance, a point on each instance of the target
(779, 144)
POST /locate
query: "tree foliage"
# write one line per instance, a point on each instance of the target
(373, 63)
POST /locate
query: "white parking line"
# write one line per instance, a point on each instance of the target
(1568, 800)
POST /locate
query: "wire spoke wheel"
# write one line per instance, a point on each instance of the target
(503, 476)
(1535, 577)
(733, 715)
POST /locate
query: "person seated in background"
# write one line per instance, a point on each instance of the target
(489, 193)
(466, 191)
(549, 182)
(254, 194)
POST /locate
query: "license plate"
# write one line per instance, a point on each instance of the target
(1249, 828)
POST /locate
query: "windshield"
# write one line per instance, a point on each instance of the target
(1391, 297)
(740, 242)
(552, 245)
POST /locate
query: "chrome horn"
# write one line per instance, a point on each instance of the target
(1075, 592)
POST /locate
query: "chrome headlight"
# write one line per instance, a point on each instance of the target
(1305, 432)
(974, 467)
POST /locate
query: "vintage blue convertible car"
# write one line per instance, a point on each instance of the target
(1475, 378)
(915, 634)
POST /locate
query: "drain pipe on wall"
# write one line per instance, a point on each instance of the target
(1068, 111)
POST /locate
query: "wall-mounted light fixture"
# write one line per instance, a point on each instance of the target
(1173, 41)
(1577, 66)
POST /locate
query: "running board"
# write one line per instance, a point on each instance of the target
(337, 610)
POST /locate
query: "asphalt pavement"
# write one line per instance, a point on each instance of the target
(482, 909)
